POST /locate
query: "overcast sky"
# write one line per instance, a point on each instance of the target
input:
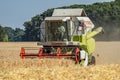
(13, 13)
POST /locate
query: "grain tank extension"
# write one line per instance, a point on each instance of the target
(68, 33)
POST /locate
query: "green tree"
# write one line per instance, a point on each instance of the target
(18, 34)
(28, 31)
(9, 32)
(5, 38)
(32, 28)
(1, 33)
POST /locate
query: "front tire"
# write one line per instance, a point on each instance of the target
(92, 60)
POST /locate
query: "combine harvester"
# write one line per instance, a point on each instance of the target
(68, 33)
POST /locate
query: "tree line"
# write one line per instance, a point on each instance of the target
(10, 34)
(105, 14)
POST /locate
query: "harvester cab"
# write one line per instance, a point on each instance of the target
(68, 33)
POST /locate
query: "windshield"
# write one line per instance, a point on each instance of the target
(57, 31)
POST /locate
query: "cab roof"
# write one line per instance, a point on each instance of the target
(69, 12)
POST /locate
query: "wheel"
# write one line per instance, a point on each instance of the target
(92, 61)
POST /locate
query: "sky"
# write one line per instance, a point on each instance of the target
(13, 13)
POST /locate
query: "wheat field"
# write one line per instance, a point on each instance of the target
(13, 68)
